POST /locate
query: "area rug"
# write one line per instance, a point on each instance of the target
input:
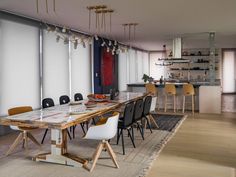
(165, 121)
(135, 163)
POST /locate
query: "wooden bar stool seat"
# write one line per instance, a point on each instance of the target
(188, 90)
(170, 90)
(151, 89)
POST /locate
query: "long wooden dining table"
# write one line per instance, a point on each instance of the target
(61, 117)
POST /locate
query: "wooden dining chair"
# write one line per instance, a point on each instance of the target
(104, 133)
(24, 131)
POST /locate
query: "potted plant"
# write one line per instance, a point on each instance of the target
(147, 78)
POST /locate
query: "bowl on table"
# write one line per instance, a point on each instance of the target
(98, 97)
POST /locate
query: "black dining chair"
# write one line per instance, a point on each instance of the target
(46, 103)
(78, 97)
(146, 111)
(64, 99)
(125, 123)
(138, 115)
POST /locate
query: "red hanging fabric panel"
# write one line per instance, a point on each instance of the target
(107, 68)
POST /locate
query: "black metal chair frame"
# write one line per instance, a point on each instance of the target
(126, 123)
(146, 110)
(138, 116)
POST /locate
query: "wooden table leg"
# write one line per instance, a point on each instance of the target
(59, 154)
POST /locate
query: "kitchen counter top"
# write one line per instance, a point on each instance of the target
(177, 84)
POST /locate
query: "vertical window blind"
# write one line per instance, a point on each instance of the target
(19, 65)
(132, 66)
(81, 70)
(55, 67)
(122, 71)
(139, 73)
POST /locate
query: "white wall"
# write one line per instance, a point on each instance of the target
(156, 71)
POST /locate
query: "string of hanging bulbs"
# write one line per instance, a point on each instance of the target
(63, 34)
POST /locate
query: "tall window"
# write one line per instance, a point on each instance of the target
(132, 66)
(80, 70)
(19, 65)
(55, 67)
(139, 61)
(123, 71)
(229, 71)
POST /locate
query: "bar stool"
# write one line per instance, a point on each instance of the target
(188, 90)
(170, 90)
(151, 88)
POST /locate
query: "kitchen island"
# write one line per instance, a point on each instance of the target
(207, 97)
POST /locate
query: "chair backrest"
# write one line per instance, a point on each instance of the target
(105, 131)
(19, 110)
(47, 102)
(170, 89)
(64, 99)
(78, 97)
(128, 114)
(188, 89)
(111, 126)
(138, 110)
(151, 88)
(147, 105)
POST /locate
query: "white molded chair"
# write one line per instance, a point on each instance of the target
(24, 131)
(104, 132)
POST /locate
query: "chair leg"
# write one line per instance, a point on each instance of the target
(68, 133)
(132, 131)
(73, 131)
(111, 153)
(151, 118)
(123, 145)
(96, 155)
(183, 104)
(193, 104)
(148, 124)
(165, 102)
(25, 135)
(15, 143)
(31, 137)
(23, 143)
(82, 127)
(132, 138)
(118, 136)
(141, 130)
(45, 133)
(174, 103)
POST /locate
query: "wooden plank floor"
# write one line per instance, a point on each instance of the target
(204, 146)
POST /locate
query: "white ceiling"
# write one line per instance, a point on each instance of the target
(159, 20)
